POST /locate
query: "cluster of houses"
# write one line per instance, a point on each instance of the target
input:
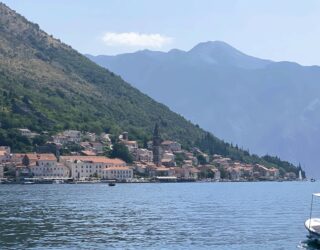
(237, 171)
(161, 160)
(46, 166)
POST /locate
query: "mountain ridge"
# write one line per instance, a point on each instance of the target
(245, 100)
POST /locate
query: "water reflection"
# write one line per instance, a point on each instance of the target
(309, 245)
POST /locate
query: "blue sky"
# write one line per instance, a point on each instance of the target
(273, 29)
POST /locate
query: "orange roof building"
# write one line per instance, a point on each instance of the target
(83, 167)
(93, 159)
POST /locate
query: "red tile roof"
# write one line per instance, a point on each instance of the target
(35, 157)
(94, 159)
(117, 168)
(88, 153)
(167, 142)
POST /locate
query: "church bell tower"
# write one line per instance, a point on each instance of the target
(156, 146)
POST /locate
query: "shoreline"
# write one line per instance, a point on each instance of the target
(139, 182)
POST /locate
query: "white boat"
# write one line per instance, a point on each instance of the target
(313, 224)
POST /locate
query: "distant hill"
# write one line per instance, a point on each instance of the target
(45, 85)
(268, 107)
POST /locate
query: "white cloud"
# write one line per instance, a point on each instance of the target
(134, 39)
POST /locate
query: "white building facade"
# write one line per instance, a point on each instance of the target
(46, 166)
(50, 170)
(84, 167)
(118, 173)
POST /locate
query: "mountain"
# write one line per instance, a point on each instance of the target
(45, 85)
(269, 107)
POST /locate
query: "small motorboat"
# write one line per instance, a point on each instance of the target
(312, 180)
(313, 224)
(112, 183)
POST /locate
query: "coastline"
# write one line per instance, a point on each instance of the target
(101, 182)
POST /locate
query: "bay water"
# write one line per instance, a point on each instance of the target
(257, 215)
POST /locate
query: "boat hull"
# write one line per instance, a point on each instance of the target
(313, 227)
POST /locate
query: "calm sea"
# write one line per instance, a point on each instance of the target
(267, 215)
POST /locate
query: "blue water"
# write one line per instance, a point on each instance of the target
(267, 215)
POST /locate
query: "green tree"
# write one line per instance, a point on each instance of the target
(122, 152)
(201, 159)
(40, 140)
(179, 158)
(26, 161)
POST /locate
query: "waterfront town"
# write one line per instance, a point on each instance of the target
(160, 161)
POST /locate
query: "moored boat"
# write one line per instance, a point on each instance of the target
(313, 224)
(112, 183)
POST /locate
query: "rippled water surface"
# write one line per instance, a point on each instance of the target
(155, 216)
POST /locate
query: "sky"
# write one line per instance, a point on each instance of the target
(280, 30)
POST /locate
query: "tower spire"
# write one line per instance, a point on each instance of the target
(156, 145)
